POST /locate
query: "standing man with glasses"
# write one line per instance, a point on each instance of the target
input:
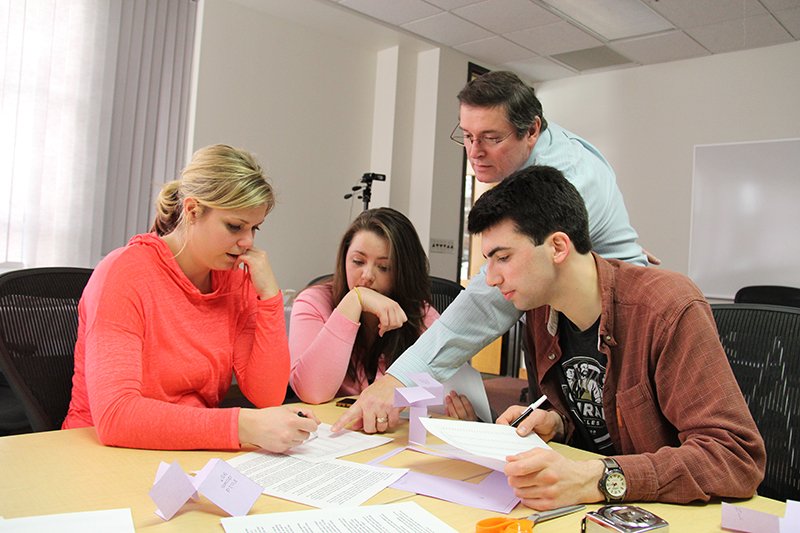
(502, 128)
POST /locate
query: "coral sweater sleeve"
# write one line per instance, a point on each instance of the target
(158, 358)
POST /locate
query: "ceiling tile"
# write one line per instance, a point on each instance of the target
(495, 50)
(731, 35)
(780, 5)
(448, 29)
(504, 16)
(554, 39)
(452, 4)
(670, 46)
(613, 19)
(393, 11)
(592, 58)
(790, 18)
(540, 69)
(693, 13)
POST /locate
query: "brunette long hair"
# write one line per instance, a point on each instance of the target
(411, 287)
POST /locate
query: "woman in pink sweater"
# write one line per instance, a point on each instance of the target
(166, 320)
(347, 330)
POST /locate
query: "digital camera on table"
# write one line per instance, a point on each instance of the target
(622, 519)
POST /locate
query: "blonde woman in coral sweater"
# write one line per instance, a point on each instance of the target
(165, 321)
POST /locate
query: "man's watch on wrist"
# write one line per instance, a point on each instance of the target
(612, 483)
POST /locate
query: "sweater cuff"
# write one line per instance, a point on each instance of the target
(234, 431)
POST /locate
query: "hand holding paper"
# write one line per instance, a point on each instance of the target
(483, 444)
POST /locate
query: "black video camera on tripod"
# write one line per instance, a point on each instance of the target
(367, 180)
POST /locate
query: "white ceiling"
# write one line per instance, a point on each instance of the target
(551, 39)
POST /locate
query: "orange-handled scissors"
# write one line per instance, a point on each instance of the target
(504, 525)
(522, 525)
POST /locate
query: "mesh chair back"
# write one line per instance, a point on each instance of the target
(443, 292)
(768, 294)
(38, 330)
(762, 343)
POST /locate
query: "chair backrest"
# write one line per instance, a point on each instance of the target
(38, 330)
(443, 292)
(768, 294)
(318, 279)
(762, 343)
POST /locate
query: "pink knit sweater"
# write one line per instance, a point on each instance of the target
(321, 343)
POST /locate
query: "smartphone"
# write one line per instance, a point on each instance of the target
(345, 402)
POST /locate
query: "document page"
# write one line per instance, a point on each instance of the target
(484, 444)
(328, 445)
(329, 484)
(406, 517)
(116, 520)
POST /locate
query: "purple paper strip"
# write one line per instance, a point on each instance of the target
(492, 494)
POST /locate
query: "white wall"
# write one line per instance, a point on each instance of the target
(647, 120)
(301, 94)
(302, 98)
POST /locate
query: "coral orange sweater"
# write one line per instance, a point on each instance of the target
(154, 356)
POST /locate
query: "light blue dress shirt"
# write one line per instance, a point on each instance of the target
(480, 314)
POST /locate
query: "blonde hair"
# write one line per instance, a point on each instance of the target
(218, 177)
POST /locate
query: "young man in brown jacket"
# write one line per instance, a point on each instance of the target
(628, 357)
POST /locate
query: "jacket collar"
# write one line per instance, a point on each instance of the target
(606, 276)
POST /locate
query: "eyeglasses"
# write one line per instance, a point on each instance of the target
(465, 139)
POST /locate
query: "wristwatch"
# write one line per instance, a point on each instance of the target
(613, 484)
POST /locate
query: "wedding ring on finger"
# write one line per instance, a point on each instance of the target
(381, 420)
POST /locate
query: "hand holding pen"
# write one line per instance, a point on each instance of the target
(546, 424)
(528, 411)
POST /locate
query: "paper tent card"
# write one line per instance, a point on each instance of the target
(221, 483)
(428, 392)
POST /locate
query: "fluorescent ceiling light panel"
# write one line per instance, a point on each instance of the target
(612, 19)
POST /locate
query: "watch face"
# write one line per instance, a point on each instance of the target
(615, 485)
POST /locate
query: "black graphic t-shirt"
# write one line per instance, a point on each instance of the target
(582, 374)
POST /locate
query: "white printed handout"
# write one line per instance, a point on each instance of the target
(405, 517)
(112, 520)
(483, 444)
(318, 484)
(328, 445)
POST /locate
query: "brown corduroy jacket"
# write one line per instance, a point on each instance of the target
(672, 405)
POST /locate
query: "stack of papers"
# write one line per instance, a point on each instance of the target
(311, 473)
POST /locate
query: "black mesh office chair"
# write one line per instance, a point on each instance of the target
(768, 294)
(762, 343)
(443, 292)
(38, 330)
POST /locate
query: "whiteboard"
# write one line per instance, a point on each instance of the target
(745, 227)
